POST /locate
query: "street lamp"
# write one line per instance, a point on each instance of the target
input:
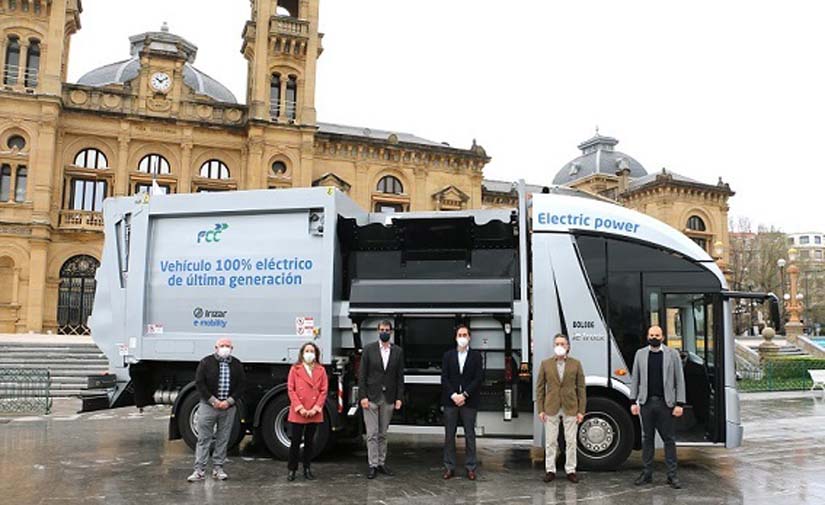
(780, 325)
(793, 301)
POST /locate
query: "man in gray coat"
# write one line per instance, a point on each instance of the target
(657, 389)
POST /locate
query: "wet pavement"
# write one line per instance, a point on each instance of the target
(122, 456)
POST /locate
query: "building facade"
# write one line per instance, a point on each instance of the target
(811, 246)
(698, 209)
(154, 118)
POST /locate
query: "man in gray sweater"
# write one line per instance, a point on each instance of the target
(657, 389)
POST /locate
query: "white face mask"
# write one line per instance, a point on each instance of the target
(309, 357)
(462, 342)
(560, 351)
(224, 351)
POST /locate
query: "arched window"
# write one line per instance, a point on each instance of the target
(291, 98)
(76, 294)
(32, 64)
(214, 169)
(390, 184)
(275, 96)
(16, 142)
(153, 164)
(695, 223)
(288, 8)
(12, 68)
(278, 168)
(91, 158)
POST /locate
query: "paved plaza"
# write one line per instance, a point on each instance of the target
(123, 457)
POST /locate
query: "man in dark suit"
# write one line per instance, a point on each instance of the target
(461, 375)
(380, 388)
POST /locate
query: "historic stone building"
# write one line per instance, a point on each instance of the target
(154, 117)
(698, 209)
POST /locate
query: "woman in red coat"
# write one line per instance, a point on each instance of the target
(307, 386)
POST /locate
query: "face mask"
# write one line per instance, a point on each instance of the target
(309, 357)
(224, 352)
(384, 336)
(560, 351)
(654, 342)
(462, 342)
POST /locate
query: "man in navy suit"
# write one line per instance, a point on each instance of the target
(461, 375)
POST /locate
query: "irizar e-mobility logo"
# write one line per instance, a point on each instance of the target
(212, 235)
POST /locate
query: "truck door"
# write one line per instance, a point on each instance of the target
(692, 325)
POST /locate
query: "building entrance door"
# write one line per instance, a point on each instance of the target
(76, 295)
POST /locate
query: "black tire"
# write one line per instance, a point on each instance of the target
(275, 432)
(188, 428)
(606, 435)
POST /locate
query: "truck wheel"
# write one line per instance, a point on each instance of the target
(188, 423)
(605, 437)
(274, 429)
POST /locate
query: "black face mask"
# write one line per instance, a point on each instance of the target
(654, 342)
(384, 336)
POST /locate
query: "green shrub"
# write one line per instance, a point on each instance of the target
(793, 367)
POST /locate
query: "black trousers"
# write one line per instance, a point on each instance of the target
(297, 433)
(468, 421)
(657, 416)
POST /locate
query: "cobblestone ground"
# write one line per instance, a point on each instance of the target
(123, 457)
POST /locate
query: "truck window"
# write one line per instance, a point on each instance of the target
(624, 274)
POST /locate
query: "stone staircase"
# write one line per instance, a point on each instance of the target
(68, 363)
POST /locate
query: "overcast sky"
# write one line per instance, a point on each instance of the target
(704, 88)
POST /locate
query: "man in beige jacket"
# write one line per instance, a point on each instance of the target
(561, 395)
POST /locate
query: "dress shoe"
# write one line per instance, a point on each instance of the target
(448, 474)
(674, 483)
(572, 477)
(290, 476)
(549, 477)
(308, 474)
(372, 472)
(385, 470)
(643, 479)
(471, 474)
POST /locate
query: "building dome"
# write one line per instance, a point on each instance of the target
(598, 156)
(166, 43)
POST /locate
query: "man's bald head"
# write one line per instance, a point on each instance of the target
(654, 331)
(223, 342)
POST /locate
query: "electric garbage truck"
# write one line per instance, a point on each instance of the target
(274, 269)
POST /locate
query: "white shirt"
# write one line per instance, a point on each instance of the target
(560, 368)
(385, 353)
(308, 369)
(462, 357)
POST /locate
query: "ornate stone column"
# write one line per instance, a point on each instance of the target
(15, 286)
(38, 262)
(185, 179)
(122, 167)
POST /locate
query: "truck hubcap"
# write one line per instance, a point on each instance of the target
(597, 434)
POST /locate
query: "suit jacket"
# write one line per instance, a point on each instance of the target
(307, 392)
(374, 382)
(467, 382)
(568, 394)
(674, 378)
(206, 379)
